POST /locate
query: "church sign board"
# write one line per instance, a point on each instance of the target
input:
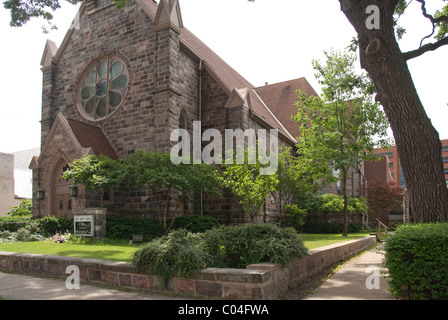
(84, 225)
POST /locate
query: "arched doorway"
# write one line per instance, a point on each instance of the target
(61, 202)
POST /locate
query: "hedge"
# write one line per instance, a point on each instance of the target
(122, 228)
(13, 224)
(417, 259)
(195, 223)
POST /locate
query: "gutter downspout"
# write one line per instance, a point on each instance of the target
(200, 118)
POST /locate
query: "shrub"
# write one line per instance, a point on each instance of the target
(195, 223)
(12, 224)
(51, 225)
(122, 228)
(30, 232)
(417, 260)
(177, 254)
(238, 246)
(182, 252)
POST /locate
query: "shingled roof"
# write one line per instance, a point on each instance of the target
(281, 98)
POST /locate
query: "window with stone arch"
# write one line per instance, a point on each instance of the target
(102, 88)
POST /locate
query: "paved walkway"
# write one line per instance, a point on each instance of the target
(358, 279)
(23, 287)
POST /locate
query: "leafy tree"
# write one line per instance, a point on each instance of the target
(298, 176)
(345, 124)
(156, 172)
(383, 195)
(98, 173)
(247, 184)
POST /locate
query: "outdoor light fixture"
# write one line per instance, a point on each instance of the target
(72, 191)
(40, 194)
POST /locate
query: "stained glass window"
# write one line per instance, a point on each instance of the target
(103, 88)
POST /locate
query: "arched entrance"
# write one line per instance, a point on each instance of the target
(61, 202)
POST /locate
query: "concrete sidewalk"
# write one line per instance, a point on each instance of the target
(23, 287)
(352, 280)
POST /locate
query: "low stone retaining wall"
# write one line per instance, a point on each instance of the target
(258, 281)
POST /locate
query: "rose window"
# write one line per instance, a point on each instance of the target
(103, 88)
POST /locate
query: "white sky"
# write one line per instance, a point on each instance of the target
(266, 41)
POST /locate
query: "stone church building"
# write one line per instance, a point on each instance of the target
(122, 80)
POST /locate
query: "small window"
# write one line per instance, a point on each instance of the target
(445, 148)
(445, 159)
(391, 165)
(182, 120)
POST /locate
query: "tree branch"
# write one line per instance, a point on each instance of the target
(430, 17)
(423, 49)
(433, 20)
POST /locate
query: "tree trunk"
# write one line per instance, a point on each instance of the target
(417, 141)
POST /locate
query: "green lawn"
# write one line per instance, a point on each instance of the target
(312, 241)
(123, 251)
(116, 251)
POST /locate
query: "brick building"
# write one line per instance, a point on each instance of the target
(388, 169)
(395, 166)
(122, 80)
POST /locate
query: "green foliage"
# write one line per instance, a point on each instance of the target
(195, 223)
(122, 228)
(247, 184)
(332, 203)
(294, 216)
(357, 205)
(98, 173)
(157, 172)
(297, 176)
(24, 209)
(12, 224)
(346, 123)
(51, 225)
(23, 229)
(238, 246)
(417, 261)
(30, 232)
(176, 254)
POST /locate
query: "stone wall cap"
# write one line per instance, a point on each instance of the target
(235, 275)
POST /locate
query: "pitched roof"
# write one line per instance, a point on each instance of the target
(281, 98)
(93, 137)
(86, 139)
